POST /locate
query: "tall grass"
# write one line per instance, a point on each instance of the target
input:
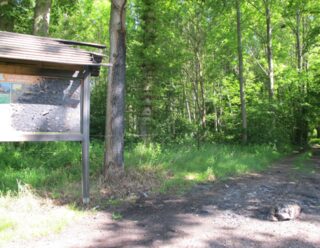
(43, 165)
(186, 165)
(53, 166)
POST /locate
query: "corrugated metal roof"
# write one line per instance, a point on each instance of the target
(42, 49)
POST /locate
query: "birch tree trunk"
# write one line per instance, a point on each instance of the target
(303, 124)
(42, 17)
(241, 78)
(114, 140)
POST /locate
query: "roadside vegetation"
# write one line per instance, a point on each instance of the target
(40, 182)
(50, 167)
(43, 181)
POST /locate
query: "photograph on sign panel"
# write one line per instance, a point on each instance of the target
(41, 105)
(5, 90)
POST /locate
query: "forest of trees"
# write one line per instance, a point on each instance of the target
(202, 70)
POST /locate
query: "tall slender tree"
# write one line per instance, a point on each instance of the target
(269, 48)
(148, 65)
(241, 77)
(42, 17)
(114, 135)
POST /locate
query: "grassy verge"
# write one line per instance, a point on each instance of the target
(55, 168)
(184, 166)
(51, 173)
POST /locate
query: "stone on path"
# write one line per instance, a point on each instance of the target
(284, 211)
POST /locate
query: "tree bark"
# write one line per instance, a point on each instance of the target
(241, 78)
(203, 103)
(298, 41)
(114, 140)
(42, 17)
(186, 100)
(148, 67)
(269, 49)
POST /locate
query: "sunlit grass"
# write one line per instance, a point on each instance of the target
(24, 215)
(56, 167)
(188, 165)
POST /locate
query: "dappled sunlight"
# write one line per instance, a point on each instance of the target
(224, 213)
(27, 216)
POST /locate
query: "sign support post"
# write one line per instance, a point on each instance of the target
(86, 137)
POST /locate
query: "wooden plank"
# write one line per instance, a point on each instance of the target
(86, 138)
(8, 50)
(42, 49)
(48, 58)
(46, 39)
(19, 137)
(45, 48)
(34, 71)
(80, 43)
(41, 65)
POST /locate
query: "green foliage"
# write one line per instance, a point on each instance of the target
(16, 15)
(314, 141)
(81, 20)
(187, 50)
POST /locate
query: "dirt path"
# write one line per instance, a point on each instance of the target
(223, 214)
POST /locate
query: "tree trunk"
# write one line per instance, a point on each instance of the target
(298, 41)
(302, 125)
(269, 50)
(114, 140)
(318, 132)
(187, 102)
(42, 17)
(148, 66)
(203, 103)
(241, 78)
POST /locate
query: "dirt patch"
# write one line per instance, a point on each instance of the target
(231, 213)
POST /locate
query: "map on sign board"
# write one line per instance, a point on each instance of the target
(39, 104)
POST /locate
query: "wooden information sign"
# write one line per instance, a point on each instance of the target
(45, 91)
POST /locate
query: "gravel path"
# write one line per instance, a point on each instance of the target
(230, 213)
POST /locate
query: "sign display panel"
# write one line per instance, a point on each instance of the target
(33, 104)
